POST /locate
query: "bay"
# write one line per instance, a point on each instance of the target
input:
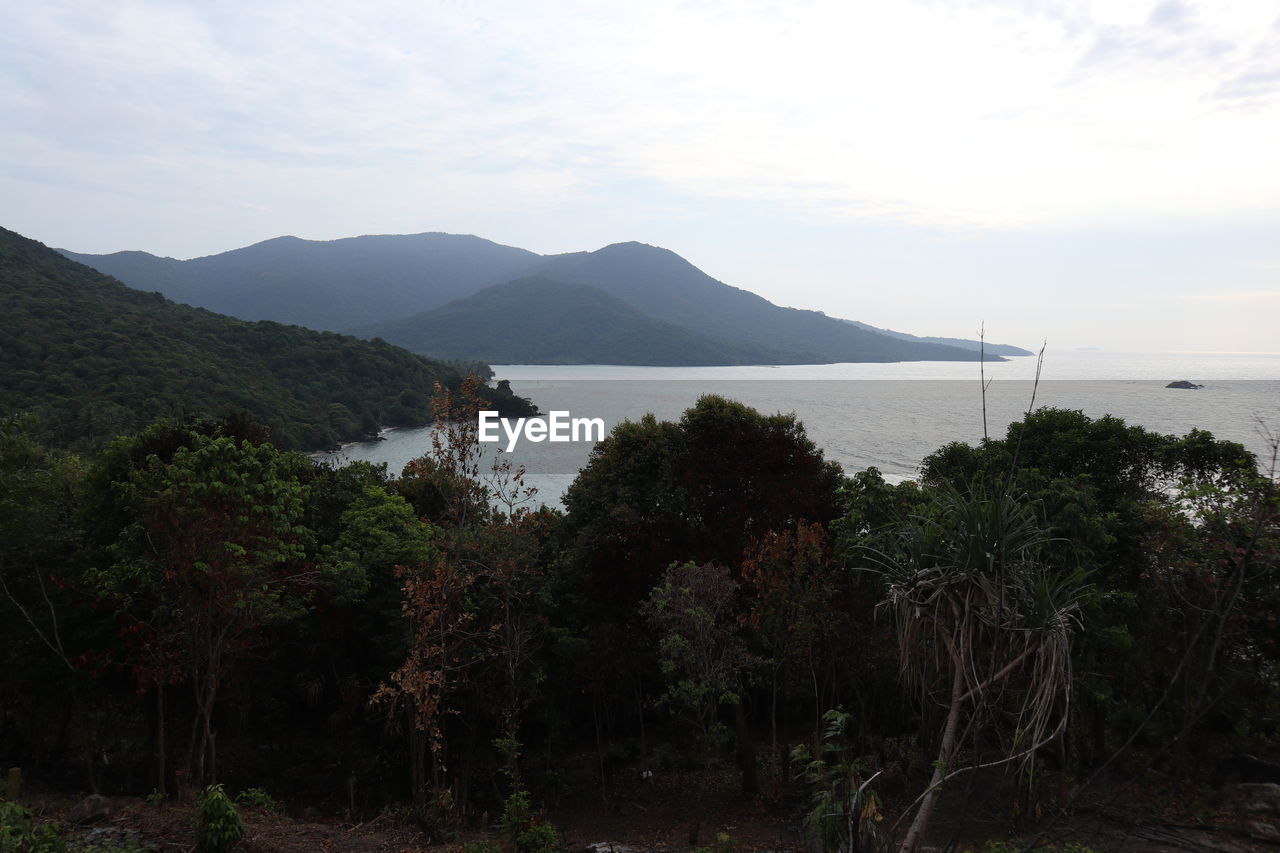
(889, 416)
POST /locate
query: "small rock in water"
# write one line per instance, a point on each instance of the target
(1182, 383)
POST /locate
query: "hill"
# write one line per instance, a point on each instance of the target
(540, 321)
(660, 283)
(329, 285)
(383, 285)
(95, 358)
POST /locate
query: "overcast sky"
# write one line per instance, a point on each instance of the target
(1098, 174)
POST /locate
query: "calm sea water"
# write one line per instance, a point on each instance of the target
(889, 416)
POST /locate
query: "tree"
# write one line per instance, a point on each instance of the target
(472, 602)
(793, 585)
(1106, 489)
(703, 658)
(211, 556)
(704, 489)
(49, 645)
(984, 625)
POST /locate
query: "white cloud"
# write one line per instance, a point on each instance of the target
(969, 114)
(193, 127)
(1248, 297)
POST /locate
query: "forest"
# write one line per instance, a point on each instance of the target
(94, 359)
(195, 610)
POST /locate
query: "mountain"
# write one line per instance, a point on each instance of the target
(963, 343)
(665, 286)
(384, 285)
(330, 285)
(541, 321)
(94, 358)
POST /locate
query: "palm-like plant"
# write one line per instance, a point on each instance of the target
(984, 622)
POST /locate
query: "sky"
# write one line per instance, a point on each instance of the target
(1086, 174)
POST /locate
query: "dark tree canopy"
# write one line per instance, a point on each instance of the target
(702, 489)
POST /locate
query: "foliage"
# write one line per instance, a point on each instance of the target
(541, 321)
(843, 809)
(703, 489)
(96, 359)
(218, 824)
(256, 798)
(1162, 522)
(481, 847)
(474, 603)
(794, 586)
(702, 656)
(517, 814)
(193, 578)
(984, 624)
(20, 833)
(538, 838)
(211, 554)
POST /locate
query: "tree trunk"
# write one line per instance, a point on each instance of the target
(946, 751)
(746, 750)
(162, 770)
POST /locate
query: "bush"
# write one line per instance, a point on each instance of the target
(19, 833)
(517, 814)
(256, 798)
(482, 847)
(218, 825)
(538, 838)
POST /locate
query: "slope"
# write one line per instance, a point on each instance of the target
(95, 359)
(361, 281)
(540, 321)
(332, 285)
(665, 286)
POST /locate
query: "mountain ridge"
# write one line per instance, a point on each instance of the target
(375, 285)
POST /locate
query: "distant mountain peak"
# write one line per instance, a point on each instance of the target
(377, 281)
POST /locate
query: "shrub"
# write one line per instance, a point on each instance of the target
(19, 833)
(482, 847)
(256, 798)
(538, 838)
(218, 825)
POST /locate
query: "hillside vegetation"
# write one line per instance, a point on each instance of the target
(540, 321)
(94, 359)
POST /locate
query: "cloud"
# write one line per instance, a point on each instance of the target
(963, 114)
(1250, 297)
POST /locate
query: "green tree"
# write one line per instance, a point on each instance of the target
(211, 556)
(692, 611)
(50, 642)
(985, 623)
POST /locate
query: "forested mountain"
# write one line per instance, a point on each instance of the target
(377, 285)
(95, 358)
(330, 285)
(665, 286)
(540, 321)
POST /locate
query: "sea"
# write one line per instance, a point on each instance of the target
(886, 416)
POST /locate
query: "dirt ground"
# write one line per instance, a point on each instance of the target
(672, 812)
